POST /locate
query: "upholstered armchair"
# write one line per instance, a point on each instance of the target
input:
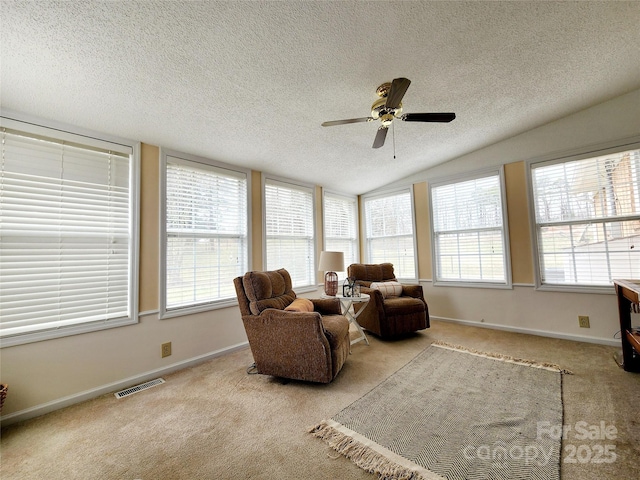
(394, 309)
(291, 337)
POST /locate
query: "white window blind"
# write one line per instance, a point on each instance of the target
(468, 230)
(587, 214)
(206, 233)
(389, 232)
(66, 255)
(290, 230)
(341, 227)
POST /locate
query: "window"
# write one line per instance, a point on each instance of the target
(587, 218)
(67, 243)
(341, 227)
(289, 230)
(389, 232)
(470, 244)
(205, 233)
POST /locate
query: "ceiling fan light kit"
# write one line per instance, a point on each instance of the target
(388, 107)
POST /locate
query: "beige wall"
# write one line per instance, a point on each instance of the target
(256, 220)
(149, 227)
(423, 233)
(527, 310)
(46, 375)
(519, 225)
(319, 232)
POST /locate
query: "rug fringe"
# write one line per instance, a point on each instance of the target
(521, 361)
(364, 456)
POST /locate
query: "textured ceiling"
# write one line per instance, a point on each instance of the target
(249, 83)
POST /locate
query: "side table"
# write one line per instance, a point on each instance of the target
(346, 303)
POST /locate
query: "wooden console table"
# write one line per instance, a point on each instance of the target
(628, 292)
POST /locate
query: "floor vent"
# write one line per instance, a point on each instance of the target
(139, 388)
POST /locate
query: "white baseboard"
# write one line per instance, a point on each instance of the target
(542, 333)
(63, 402)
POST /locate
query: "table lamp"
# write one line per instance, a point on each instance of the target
(331, 262)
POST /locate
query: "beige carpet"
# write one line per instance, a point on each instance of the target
(215, 421)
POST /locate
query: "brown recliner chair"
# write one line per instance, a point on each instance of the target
(392, 316)
(302, 345)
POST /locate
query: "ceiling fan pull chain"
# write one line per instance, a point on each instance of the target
(393, 130)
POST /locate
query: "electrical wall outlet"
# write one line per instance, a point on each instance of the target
(166, 349)
(583, 320)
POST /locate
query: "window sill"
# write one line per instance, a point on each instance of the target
(589, 289)
(307, 289)
(183, 311)
(499, 286)
(42, 335)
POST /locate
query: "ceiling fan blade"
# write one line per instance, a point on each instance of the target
(428, 117)
(380, 137)
(398, 89)
(344, 122)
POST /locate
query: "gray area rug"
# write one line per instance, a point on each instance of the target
(456, 414)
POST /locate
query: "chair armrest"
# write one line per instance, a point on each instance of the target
(326, 306)
(375, 295)
(372, 313)
(375, 306)
(414, 291)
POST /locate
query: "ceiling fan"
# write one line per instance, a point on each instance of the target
(388, 107)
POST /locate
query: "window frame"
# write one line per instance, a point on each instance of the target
(356, 240)
(267, 178)
(73, 134)
(597, 150)
(461, 178)
(186, 158)
(367, 249)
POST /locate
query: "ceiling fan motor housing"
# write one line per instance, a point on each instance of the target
(384, 114)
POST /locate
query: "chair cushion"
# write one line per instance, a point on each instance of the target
(268, 290)
(403, 306)
(300, 305)
(388, 289)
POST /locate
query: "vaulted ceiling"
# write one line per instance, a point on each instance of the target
(249, 83)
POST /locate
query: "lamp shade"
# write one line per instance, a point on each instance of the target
(331, 262)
